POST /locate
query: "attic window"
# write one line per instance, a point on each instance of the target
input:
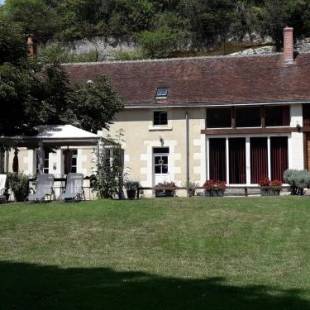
(162, 92)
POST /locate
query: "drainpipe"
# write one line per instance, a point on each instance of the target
(187, 152)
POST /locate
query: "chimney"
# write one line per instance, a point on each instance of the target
(31, 47)
(288, 45)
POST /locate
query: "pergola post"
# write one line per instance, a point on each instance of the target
(7, 157)
(2, 164)
(40, 158)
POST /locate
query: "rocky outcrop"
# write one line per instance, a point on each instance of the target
(302, 46)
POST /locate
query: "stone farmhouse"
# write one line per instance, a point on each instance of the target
(232, 118)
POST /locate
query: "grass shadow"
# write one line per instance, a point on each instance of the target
(29, 286)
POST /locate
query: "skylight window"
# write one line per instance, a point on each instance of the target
(162, 92)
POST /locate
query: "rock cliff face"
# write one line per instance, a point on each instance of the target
(108, 49)
(256, 51)
(301, 46)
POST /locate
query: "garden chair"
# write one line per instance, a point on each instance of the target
(74, 190)
(44, 188)
(2, 187)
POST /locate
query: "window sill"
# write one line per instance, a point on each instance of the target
(160, 128)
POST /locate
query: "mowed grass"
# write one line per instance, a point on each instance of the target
(231, 253)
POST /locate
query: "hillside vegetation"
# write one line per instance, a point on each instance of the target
(159, 28)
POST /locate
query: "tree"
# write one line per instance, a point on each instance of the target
(210, 21)
(33, 94)
(95, 104)
(129, 17)
(246, 19)
(35, 17)
(39, 96)
(158, 43)
(12, 43)
(276, 14)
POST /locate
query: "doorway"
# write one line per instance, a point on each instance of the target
(161, 167)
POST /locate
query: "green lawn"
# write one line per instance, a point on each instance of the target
(231, 253)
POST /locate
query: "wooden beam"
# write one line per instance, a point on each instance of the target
(249, 131)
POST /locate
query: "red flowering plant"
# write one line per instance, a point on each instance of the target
(209, 185)
(265, 182)
(276, 183)
(270, 188)
(221, 185)
(215, 187)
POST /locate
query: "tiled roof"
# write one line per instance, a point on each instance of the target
(204, 80)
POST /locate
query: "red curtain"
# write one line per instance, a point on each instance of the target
(237, 170)
(217, 159)
(259, 159)
(279, 157)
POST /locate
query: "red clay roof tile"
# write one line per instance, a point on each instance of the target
(204, 80)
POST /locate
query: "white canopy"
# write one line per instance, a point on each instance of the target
(57, 135)
(63, 132)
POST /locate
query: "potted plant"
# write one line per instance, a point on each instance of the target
(264, 186)
(208, 185)
(214, 188)
(298, 180)
(192, 188)
(132, 189)
(276, 187)
(165, 189)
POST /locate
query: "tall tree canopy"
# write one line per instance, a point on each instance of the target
(33, 94)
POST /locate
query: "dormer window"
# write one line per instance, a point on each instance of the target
(162, 93)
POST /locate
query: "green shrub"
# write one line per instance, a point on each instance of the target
(19, 184)
(109, 179)
(159, 43)
(57, 53)
(298, 180)
(128, 55)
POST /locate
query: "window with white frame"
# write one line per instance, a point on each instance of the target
(70, 161)
(228, 159)
(74, 161)
(161, 160)
(46, 162)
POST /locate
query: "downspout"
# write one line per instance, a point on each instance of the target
(187, 153)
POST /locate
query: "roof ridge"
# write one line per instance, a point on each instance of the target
(170, 59)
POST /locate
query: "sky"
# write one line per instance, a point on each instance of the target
(1, 1)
